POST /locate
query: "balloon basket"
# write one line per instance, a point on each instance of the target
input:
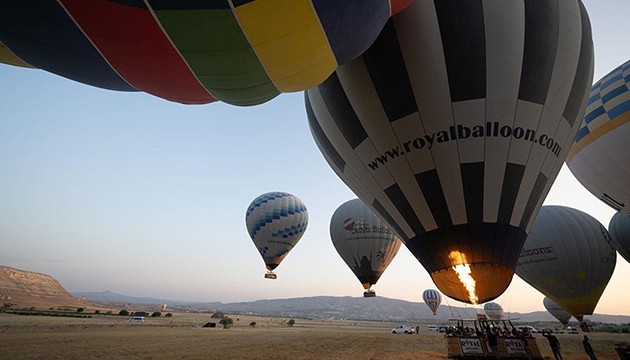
(369, 293)
(271, 275)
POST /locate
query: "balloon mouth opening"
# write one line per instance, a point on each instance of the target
(473, 283)
(366, 286)
(271, 267)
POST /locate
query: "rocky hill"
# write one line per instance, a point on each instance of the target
(25, 289)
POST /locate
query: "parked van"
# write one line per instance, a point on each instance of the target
(432, 327)
(137, 319)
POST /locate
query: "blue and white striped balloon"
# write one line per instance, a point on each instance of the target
(432, 298)
(276, 221)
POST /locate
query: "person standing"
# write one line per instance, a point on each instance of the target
(554, 344)
(588, 348)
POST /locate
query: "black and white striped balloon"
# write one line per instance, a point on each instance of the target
(453, 126)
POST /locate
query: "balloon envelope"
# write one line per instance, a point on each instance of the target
(619, 229)
(363, 241)
(557, 311)
(493, 310)
(569, 258)
(433, 299)
(195, 52)
(276, 221)
(453, 126)
(600, 156)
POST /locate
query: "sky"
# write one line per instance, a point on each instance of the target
(134, 194)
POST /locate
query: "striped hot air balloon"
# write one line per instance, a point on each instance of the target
(242, 52)
(275, 221)
(433, 299)
(364, 242)
(600, 156)
(453, 126)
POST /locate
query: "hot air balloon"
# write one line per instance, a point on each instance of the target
(600, 155)
(557, 311)
(275, 221)
(433, 299)
(619, 229)
(363, 241)
(194, 52)
(569, 258)
(493, 310)
(453, 126)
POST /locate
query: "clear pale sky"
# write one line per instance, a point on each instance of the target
(130, 193)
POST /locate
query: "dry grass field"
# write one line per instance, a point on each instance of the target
(182, 337)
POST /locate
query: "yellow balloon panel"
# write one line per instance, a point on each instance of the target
(291, 45)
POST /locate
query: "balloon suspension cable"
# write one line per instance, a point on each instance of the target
(451, 308)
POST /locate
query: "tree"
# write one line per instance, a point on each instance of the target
(252, 324)
(217, 315)
(123, 312)
(97, 311)
(226, 322)
(80, 310)
(291, 323)
(156, 314)
(168, 315)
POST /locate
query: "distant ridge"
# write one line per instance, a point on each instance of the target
(19, 288)
(334, 307)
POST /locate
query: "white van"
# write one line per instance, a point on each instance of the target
(432, 327)
(137, 319)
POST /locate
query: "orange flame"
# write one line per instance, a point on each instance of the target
(463, 271)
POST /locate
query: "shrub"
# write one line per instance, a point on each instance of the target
(156, 314)
(123, 312)
(168, 315)
(226, 322)
(217, 315)
(291, 322)
(252, 324)
(97, 311)
(80, 310)
(109, 312)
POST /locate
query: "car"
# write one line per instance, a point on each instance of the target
(137, 319)
(403, 329)
(445, 328)
(531, 329)
(572, 330)
(432, 327)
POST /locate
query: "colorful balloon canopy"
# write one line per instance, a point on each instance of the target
(242, 52)
(600, 156)
(433, 299)
(569, 258)
(453, 126)
(619, 229)
(493, 310)
(275, 221)
(363, 241)
(557, 311)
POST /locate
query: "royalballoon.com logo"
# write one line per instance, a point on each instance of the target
(461, 132)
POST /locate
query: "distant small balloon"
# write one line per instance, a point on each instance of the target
(493, 310)
(433, 299)
(275, 221)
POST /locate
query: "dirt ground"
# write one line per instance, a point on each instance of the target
(182, 337)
